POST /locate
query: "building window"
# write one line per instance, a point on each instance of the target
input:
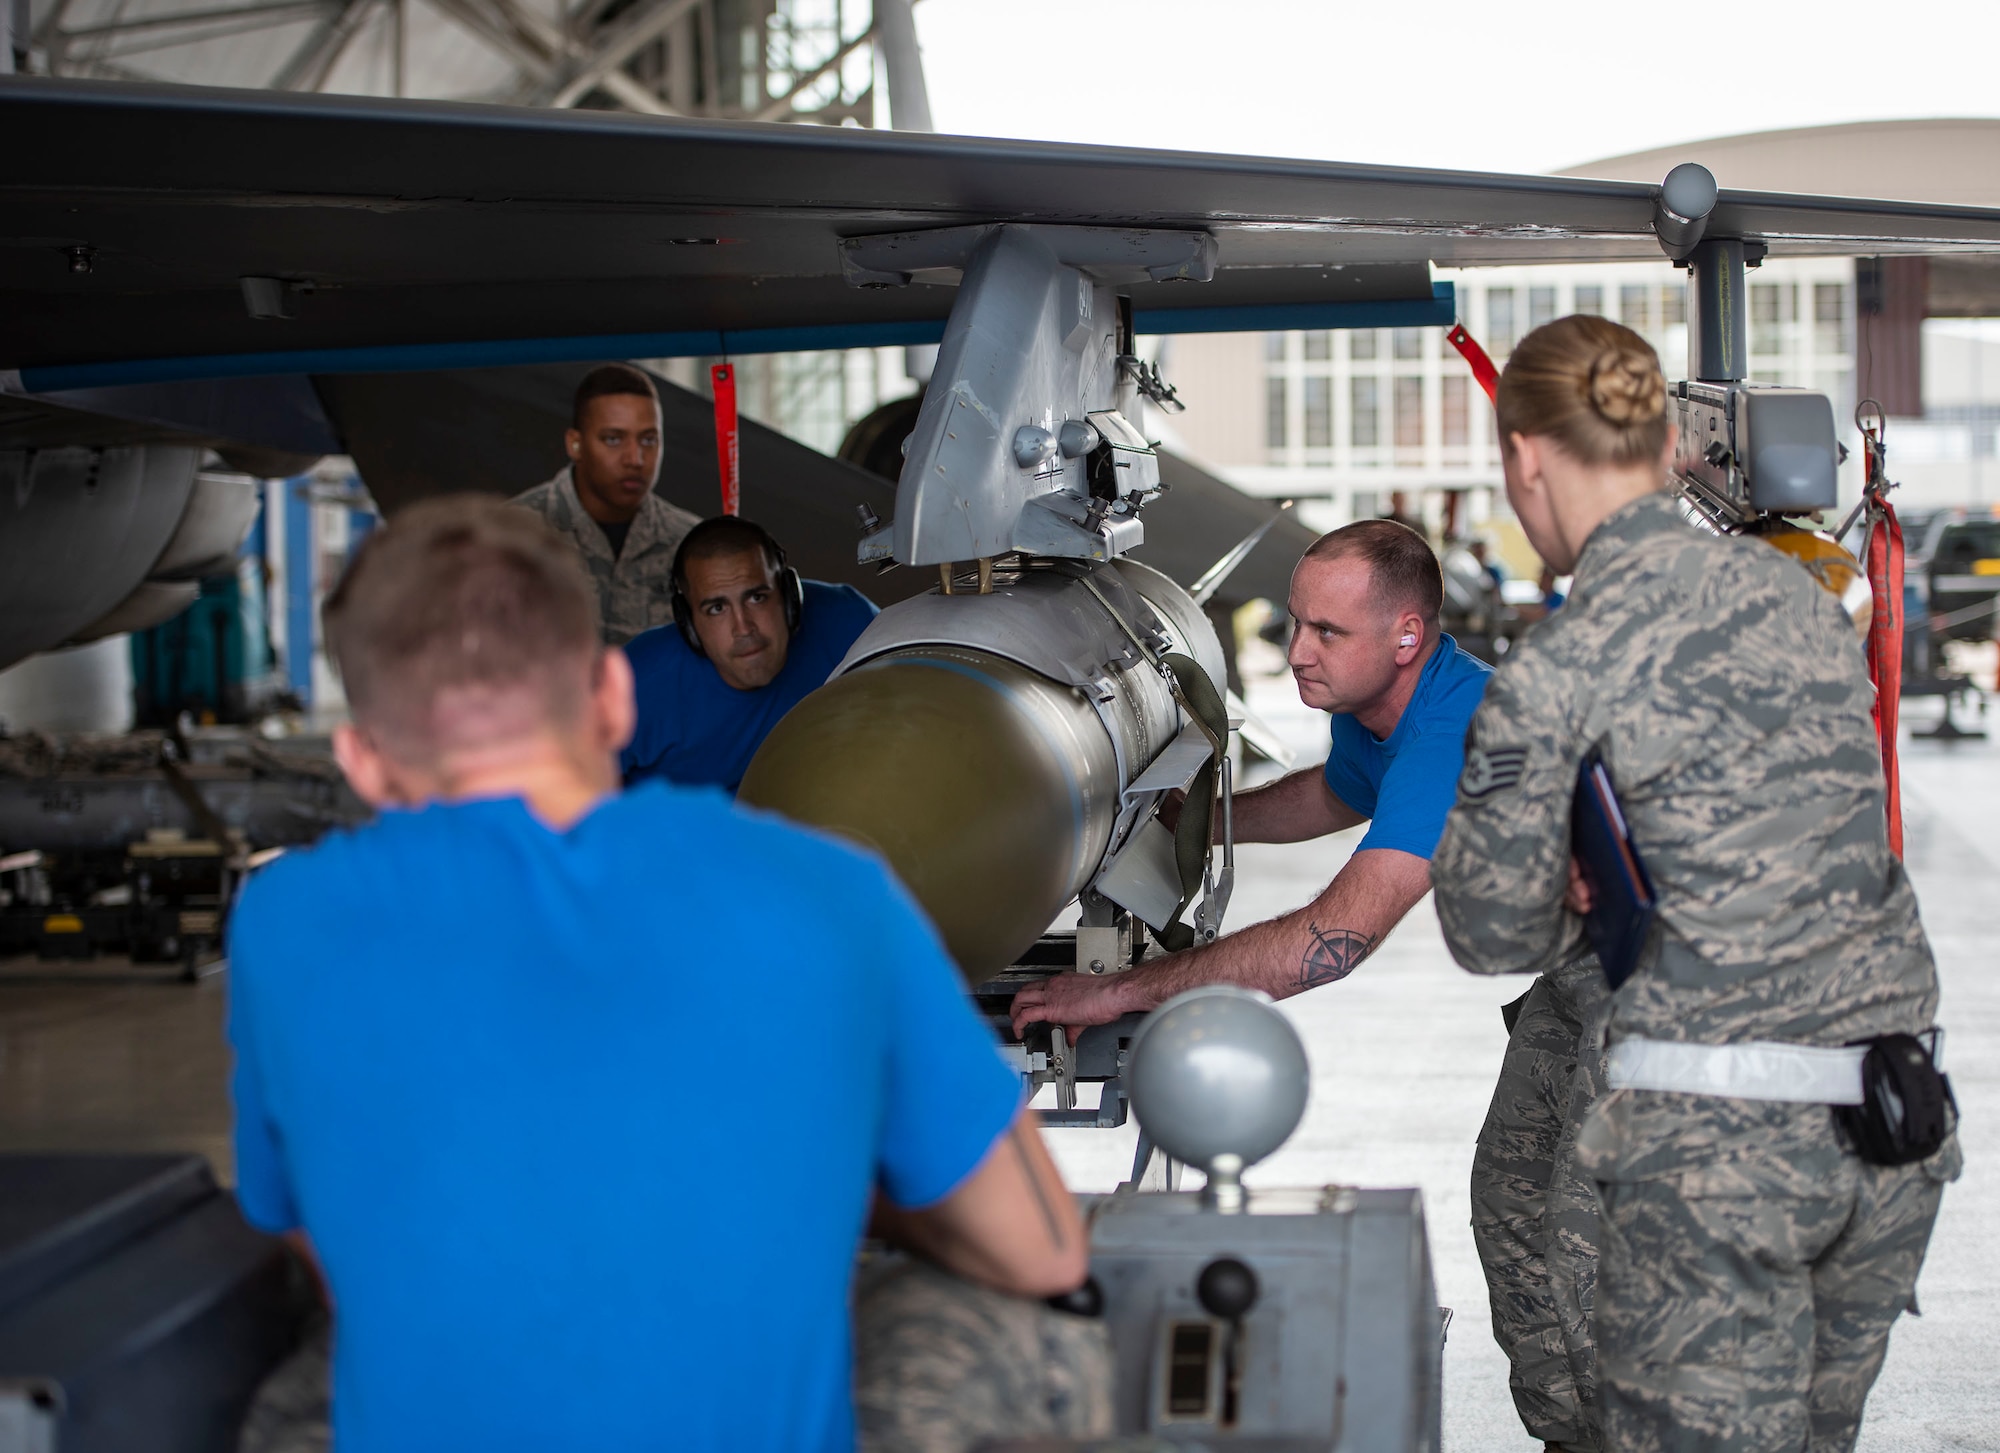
(1319, 344)
(1590, 299)
(1772, 306)
(1541, 306)
(1673, 304)
(1409, 413)
(1361, 343)
(1500, 335)
(1319, 412)
(1409, 343)
(1453, 412)
(1365, 427)
(1829, 317)
(1274, 347)
(1635, 307)
(1274, 413)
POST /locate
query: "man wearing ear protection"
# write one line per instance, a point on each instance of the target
(1366, 649)
(749, 639)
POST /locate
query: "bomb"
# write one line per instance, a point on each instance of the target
(986, 745)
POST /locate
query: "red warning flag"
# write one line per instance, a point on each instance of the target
(1883, 559)
(727, 458)
(1475, 356)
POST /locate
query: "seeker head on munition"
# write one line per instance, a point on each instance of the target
(1218, 1080)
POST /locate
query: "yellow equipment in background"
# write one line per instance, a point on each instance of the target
(1831, 566)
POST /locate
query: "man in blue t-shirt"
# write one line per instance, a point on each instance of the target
(1366, 648)
(578, 1178)
(749, 640)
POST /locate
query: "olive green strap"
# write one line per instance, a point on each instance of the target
(1196, 829)
(1198, 698)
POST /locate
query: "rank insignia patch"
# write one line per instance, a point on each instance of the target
(1492, 770)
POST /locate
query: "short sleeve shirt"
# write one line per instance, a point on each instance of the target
(697, 730)
(1405, 785)
(558, 1113)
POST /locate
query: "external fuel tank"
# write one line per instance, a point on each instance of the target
(991, 747)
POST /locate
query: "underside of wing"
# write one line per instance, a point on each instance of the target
(132, 222)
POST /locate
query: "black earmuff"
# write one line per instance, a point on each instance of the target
(791, 589)
(684, 618)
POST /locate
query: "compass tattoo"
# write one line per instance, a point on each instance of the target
(1332, 955)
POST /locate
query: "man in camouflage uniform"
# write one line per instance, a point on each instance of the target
(602, 501)
(1752, 1264)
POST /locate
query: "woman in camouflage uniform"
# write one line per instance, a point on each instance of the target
(1751, 1263)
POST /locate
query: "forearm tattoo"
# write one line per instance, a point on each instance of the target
(1332, 955)
(1050, 1220)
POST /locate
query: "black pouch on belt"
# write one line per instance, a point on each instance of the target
(1907, 1108)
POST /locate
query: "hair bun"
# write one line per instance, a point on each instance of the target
(1626, 388)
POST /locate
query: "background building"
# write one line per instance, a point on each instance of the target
(1345, 422)
(1341, 421)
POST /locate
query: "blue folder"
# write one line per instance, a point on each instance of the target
(1622, 901)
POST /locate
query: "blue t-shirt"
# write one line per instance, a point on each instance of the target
(1406, 784)
(699, 731)
(585, 1161)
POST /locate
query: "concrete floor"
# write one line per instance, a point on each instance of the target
(109, 1058)
(1403, 1059)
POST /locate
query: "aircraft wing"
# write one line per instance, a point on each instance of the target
(414, 234)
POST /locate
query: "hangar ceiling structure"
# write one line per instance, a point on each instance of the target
(760, 60)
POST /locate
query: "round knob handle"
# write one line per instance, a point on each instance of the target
(1227, 1288)
(1217, 1071)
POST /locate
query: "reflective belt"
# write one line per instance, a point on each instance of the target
(1760, 1070)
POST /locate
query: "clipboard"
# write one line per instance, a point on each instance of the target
(1623, 904)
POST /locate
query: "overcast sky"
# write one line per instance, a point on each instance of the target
(1481, 86)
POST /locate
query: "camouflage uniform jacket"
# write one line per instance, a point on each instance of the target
(1728, 696)
(634, 587)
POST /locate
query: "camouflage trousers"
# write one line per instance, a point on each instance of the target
(1755, 1322)
(943, 1366)
(1534, 1214)
(291, 1411)
(940, 1366)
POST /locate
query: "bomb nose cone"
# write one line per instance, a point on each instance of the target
(981, 783)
